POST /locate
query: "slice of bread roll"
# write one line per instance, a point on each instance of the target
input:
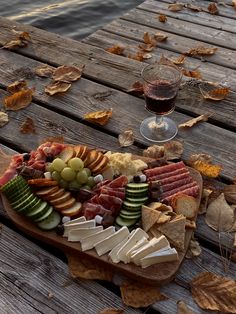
(185, 205)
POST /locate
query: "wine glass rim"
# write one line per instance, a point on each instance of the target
(165, 65)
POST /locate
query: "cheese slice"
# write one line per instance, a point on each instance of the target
(113, 254)
(80, 219)
(137, 235)
(79, 234)
(110, 242)
(137, 246)
(78, 225)
(89, 242)
(168, 255)
(153, 245)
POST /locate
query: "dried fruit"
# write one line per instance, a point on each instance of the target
(160, 37)
(57, 87)
(175, 7)
(44, 71)
(207, 169)
(136, 88)
(17, 86)
(216, 94)
(192, 122)
(200, 51)
(195, 74)
(230, 193)
(183, 309)
(212, 8)
(116, 49)
(19, 100)
(126, 138)
(3, 118)
(99, 117)
(67, 74)
(111, 311)
(162, 18)
(28, 126)
(213, 292)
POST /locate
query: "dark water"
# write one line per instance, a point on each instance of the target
(72, 18)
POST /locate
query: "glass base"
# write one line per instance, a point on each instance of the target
(162, 132)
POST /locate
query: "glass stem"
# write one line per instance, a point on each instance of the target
(159, 121)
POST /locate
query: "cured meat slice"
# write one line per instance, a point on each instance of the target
(112, 203)
(168, 174)
(11, 171)
(164, 169)
(94, 199)
(192, 191)
(175, 178)
(113, 192)
(97, 188)
(91, 210)
(118, 182)
(176, 184)
(178, 189)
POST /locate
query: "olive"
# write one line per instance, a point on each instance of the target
(26, 156)
(60, 230)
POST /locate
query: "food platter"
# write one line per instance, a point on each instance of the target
(157, 274)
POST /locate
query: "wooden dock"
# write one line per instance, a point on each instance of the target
(25, 284)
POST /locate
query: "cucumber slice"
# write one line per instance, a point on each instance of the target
(13, 184)
(24, 202)
(130, 217)
(138, 193)
(132, 206)
(125, 222)
(137, 186)
(21, 191)
(140, 200)
(39, 211)
(23, 210)
(49, 211)
(51, 222)
(21, 198)
(130, 213)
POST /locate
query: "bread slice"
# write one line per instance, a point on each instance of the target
(101, 166)
(96, 161)
(67, 153)
(47, 191)
(84, 153)
(61, 199)
(65, 205)
(185, 205)
(54, 195)
(91, 157)
(72, 211)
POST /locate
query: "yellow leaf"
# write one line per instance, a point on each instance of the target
(19, 100)
(99, 117)
(67, 74)
(206, 169)
(216, 94)
(193, 121)
(44, 71)
(160, 37)
(57, 87)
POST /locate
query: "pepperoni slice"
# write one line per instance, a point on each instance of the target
(164, 169)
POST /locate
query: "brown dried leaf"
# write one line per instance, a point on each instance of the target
(146, 47)
(19, 100)
(212, 8)
(195, 74)
(200, 51)
(22, 35)
(202, 157)
(190, 123)
(67, 74)
(126, 138)
(194, 249)
(160, 37)
(14, 44)
(180, 60)
(44, 71)
(147, 56)
(57, 87)
(162, 18)
(204, 201)
(53, 139)
(3, 118)
(136, 88)
(28, 126)
(216, 94)
(219, 215)
(139, 56)
(193, 7)
(17, 86)
(173, 150)
(116, 49)
(137, 294)
(175, 7)
(111, 311)
(207, 169)
(166, 61)
(154, 151)
(230, 193)
(50, 295)
(183, 309)
(213, 292)
(147, 38)
(99, 117)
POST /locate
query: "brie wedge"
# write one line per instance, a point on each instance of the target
(137, 246)
(110, 242)
(89, 242)
(78, 225)
(80, 219)
(168, 255)
(79, 234)
(113, 254)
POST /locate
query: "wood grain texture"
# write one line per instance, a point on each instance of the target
(29, 275)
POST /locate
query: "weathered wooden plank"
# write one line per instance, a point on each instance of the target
(29, 275)
(202, 18)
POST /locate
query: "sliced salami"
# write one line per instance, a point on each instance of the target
(91, 210)
(118, 182)
(192, 191)
(179, 189)
(176, 184)
(113, 192)
(164, 169)
(177, 177)
(112, 203)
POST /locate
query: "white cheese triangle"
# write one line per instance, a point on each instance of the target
(89, 242)
(80, 219)
(137, 246)
(79, 234)
(113, 254)
(78, 225)
(161, 256)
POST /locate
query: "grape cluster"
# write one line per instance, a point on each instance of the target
(72, 175)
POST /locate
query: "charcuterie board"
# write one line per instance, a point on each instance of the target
(157, 274)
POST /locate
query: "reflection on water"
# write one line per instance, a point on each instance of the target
(73, 18)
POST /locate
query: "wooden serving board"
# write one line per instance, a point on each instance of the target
(157, 274)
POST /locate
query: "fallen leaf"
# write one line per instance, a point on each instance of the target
(136, 88)
(53, 139)
(162, 18)
(126, 138)
(204, 201)
(194, 73)
(57, 87)
(44, 71)
(194, 249)
(212, 8)
(207, 169)
(22, 35)
(99, 117)
(183, 309)
(17, 86)
(50, 295)
(202, 157)
(111, 311)
(137, 294)
(116, 49)
(213, 292)
(216, 94)
(3, 118)
(139, 56)
(146, 47)
(173, 150)
(200, 51)
(166, 61)
(219, 215)
(19, 99)
(67, 74)
(175, 7)
(147, 38)
(230, 193)
(14, 44)
(180, 60)
(190, 123)
(160, 37)
(28, 126)
(147, 56)
(193, 7)
(154, 151)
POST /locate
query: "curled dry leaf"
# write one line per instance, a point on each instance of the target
(166, 61)
(175, 7)
(146, 47)
(230, 193)
(19, 100)
(173, 150)
(22, 35)
(193, 7)
(180, 60)
(67, 74)
(139, 56)
(154, 151)
(126, 138)
(147, 56)
(192, 122)
(99, 117)
(57, 87)
(50, 295)
(212, 8)
(3, 118)
(204, 201)
(136, 88)
(160, 37)
(202, 157)
(207, 169)
(28, 126)
(20, 41)
(192, 73)
(219, 215)
(17, 86)
(44, 71)
(215, 94)
(194, 249)
(213, 292)
(162, 18)
(148, 39)
(111, 311)
(183, 309)
(116, 49)
(200, 51)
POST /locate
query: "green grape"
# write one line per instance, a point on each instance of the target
(88, 171)
(74, 185)
(76, 164)
(86, 187)
(56, 176)
(58, 164)
(63, 184)
(82, 177)
(91, 182)
(68, 174)
(49, 167)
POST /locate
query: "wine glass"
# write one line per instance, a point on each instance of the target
(161, 84)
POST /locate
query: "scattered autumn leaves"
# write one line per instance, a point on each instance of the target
(20, 40)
